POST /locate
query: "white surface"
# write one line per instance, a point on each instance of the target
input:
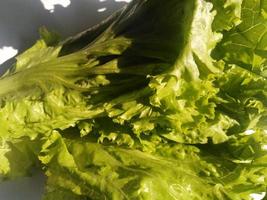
(50, 4)
(19, 23)
(258, 196)
(7, 53)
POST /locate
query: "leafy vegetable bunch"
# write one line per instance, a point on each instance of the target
(163, 100)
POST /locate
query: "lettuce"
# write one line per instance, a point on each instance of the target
(172, 171)
(159, 101)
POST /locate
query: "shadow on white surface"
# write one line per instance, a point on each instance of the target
(23, 188)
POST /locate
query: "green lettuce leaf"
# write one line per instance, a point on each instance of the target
(163, 78)
(244, 95)
(56, 91)
(245, 44)
(228, 14)
(159, 101)
(116, 173)
(172, 171)
(19, 158)
(178, 104)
